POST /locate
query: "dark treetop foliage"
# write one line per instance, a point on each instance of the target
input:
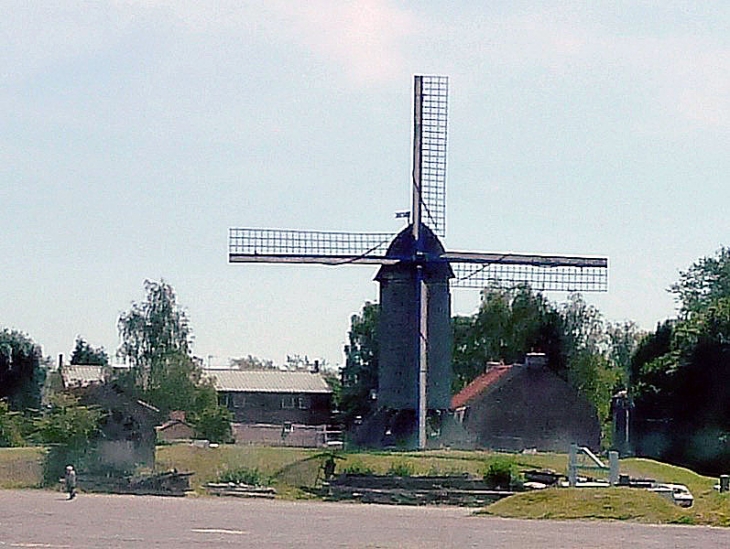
(21, 374)
(84, 353)
(360, 373)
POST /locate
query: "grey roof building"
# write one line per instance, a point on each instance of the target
(274, 396)
(268, 381)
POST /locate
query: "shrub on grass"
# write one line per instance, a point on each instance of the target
(357, 467)
(401, 468)
(501, 473)
(244, 475)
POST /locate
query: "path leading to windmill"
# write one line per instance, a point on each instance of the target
(34, 518)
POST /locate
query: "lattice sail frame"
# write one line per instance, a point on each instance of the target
(431, 125)
(292, 246)
(539, 278)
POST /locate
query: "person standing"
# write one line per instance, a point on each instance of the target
(70, 480)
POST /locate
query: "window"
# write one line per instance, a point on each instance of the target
(239, 400)
(291, 402)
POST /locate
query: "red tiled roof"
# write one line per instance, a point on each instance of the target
(476, 387)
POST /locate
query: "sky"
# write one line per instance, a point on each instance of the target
(135, 133)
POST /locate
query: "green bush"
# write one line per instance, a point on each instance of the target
(401, 468)
(214, 424)
(11, 426)
(500, 473)
(357, 467)
(244, 475)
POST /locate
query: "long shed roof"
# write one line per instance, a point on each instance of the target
(268, 381)
(81, 375)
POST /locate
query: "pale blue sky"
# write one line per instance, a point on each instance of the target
(134, 133)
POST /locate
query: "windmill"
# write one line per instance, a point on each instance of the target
(416, 271)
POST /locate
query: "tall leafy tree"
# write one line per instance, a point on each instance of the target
(704, 283)
(21, 370)
(679, 373)
(360, 374)
(84, 353)
(157, 340)
(623, 341)
(69, 428)
(153, 331)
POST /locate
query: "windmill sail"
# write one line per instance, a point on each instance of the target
(540, 272)
(430, 109)
(319, 247)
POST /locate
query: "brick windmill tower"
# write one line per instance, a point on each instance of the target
(415, 275)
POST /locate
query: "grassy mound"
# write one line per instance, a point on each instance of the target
(591, 503)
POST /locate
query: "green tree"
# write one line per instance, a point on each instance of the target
(508, 325)
(68, 428)
(153, 330)
(156, 340)
(11, 429)
(213, 423)
(67, 422)
(679, 373)
(84, 353)
(706, 281)
(589, 350)
(21, 371)
(360, 374)
(623, 340)
(177, 383)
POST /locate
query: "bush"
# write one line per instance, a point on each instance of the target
(214, 424)
(11, 426)
(357, 467)
(500, 473)
(244, 475)
(401, 468)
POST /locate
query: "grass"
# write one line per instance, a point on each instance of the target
(21, 467)
(591, 503)
(710, 507)
(289, 469)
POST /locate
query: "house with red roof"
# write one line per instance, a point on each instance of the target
(524, 406)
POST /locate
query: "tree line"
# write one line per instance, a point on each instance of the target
(581, 347)
(675, 377)
(156, 342)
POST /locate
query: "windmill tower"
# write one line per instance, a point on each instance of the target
(416, 271)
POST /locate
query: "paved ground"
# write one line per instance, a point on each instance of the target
(31, 518)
